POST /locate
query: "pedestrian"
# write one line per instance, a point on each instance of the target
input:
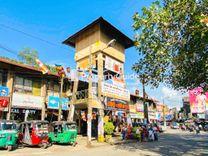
(197, 129)
(155, 131)
(151, 134)
(138, 134)
(123, 132)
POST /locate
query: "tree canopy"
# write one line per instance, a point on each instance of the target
(28, 56)
(172, 39)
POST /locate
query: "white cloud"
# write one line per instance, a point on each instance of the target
(172, 97)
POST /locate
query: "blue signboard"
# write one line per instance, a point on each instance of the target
(4, 91)
(53, 102)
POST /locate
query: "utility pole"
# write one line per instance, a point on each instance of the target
(144, 98)
(89, 113)
(60, 98)
(164, 119)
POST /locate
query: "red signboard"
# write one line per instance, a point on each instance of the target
(115, 104)
(4, 101)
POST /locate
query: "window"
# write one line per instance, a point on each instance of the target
(53, 88)
(3, 78)
(29, 86)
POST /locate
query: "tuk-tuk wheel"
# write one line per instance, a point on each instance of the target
(44, 145)
(9, 148)
(74, 144)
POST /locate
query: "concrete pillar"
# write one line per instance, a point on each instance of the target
(89, 126)
(44, 95)
(100, 73)
(101, 111)
(72, 107)
(10, 84)
(101, 126)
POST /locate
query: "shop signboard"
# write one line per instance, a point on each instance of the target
(151, 112)
(4, 102)
(113, 65)
(4, 91)
(117, 104)
(27, 101)
(114, 91)
(54, 101)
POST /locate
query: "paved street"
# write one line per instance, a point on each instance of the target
(173, 142)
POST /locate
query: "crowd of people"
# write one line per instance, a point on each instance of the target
(147, 132)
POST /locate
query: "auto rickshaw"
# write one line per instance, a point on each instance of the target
(8, 134)
(34, 133)
(63, 132)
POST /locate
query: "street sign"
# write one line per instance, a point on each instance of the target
(4, 91)
(53, 102)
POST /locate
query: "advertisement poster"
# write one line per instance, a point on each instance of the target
(4, 91)
(159, 112)
(113, 65)
(197, 100)
(152, 112)
(112, 90)
(53, 102)
(140, 110)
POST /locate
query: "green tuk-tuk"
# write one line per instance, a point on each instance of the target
(8, 134)
(63, 132)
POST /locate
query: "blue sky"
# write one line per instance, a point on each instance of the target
(54, 21)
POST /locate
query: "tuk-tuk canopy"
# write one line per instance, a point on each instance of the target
(7, 125)
(35, 122)
(62, 122)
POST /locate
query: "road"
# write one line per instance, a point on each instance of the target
(173, 142)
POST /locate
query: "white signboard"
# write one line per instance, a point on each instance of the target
(113, 65)
(113, 90)
(27, 101)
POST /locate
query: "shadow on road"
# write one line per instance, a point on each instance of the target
(172, 144)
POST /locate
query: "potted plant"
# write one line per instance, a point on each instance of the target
(108, 128)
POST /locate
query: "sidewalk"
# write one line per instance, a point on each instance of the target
(115, 141)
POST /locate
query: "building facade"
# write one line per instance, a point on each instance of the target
(29, 91)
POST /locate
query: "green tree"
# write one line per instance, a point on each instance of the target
(28, 56)
(172, 41)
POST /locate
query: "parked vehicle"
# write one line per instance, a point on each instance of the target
(174, 125)
(63, 132)
(206, 127)
(8, 134)
(34, 133)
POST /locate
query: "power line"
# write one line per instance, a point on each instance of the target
(8, 50)
(29, 35)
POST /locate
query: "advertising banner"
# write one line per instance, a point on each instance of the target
(4, 91)
(54, 101)
(115, 91)
(113, 65)
(27, 101)
(197, 100)
(159, 112)
(151, 112)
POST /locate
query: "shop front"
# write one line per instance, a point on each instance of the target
(26, 107)
(137, 112)
(53, 106)
(116, 111)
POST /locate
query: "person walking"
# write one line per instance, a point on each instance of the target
(123, 132)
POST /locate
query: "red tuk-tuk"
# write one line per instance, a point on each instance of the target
(34, 133)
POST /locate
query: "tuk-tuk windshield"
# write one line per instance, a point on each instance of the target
(42, 126)
(71, 126)
(7, 126)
